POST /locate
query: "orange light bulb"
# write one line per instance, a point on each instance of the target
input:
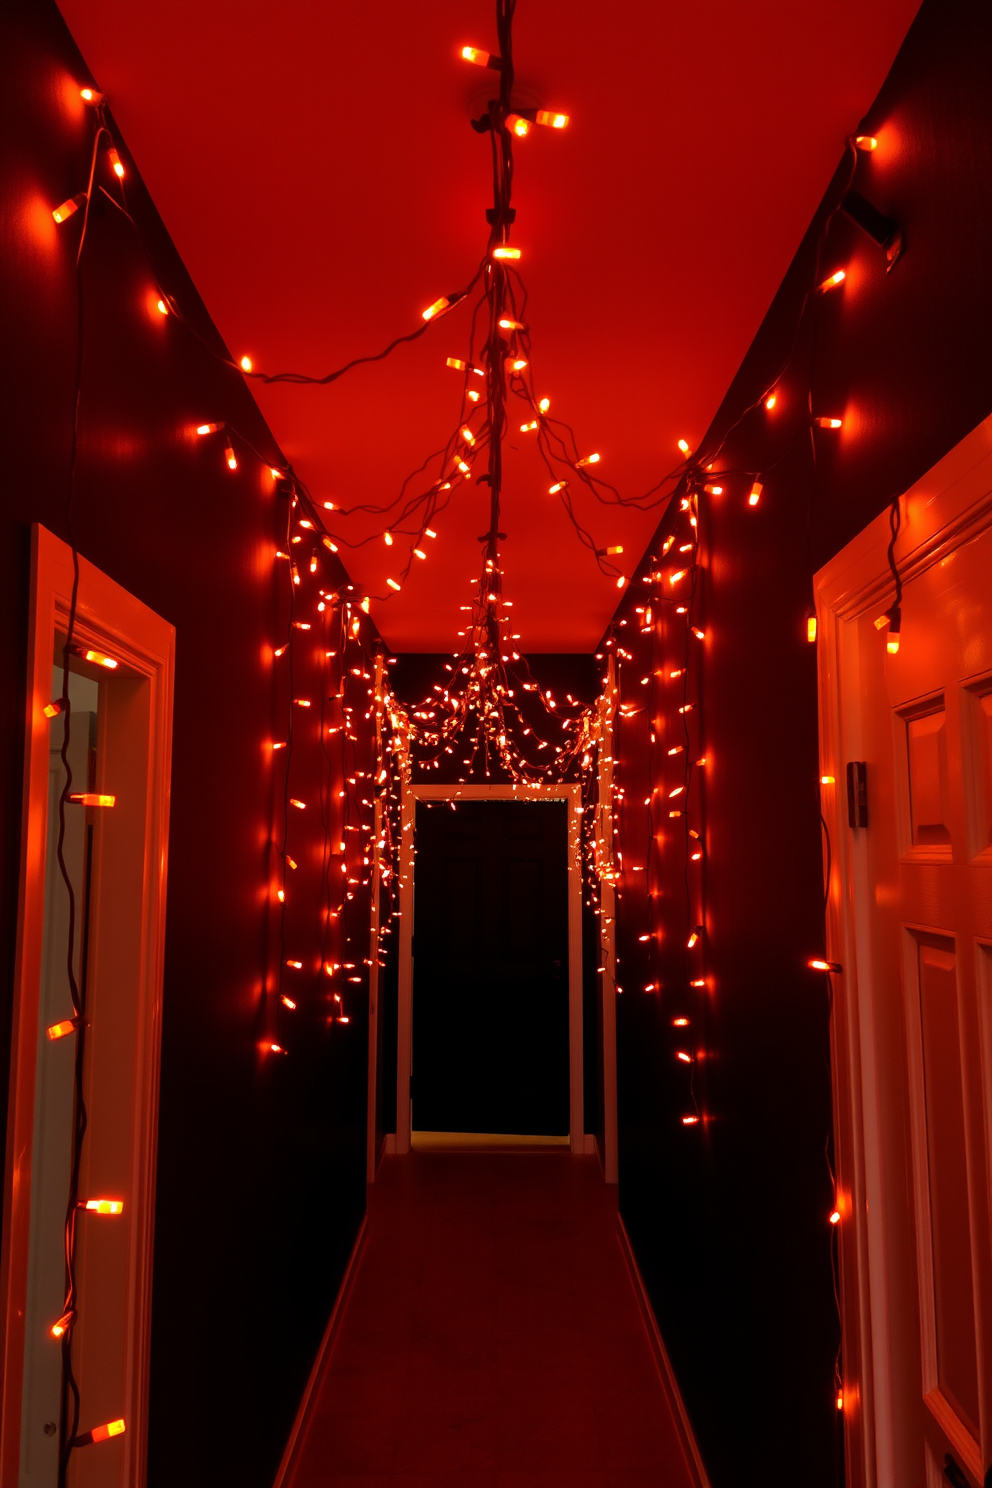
(67, 208)
(770, 401)
(102, 1206)
(827, 423)
(550, 119)
(91, 798)
(115, 163)
(61, 1030)
(504, 251)
(866, 142)
(754, 495)
(99, 1434)
(833, 281)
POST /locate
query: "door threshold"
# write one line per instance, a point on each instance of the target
(429, 1141)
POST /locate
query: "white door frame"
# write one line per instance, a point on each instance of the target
(946, 508)
(572, 794)
(124, 1004)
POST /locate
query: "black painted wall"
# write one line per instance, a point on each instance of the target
(729, 1219)
(261, 1168)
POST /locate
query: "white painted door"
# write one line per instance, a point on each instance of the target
(912, 925)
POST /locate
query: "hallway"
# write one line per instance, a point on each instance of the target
(492, 1338)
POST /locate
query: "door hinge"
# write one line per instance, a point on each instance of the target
(857, 793)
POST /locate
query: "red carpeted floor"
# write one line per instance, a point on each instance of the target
(492, 1338)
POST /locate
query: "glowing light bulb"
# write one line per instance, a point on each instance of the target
(693, 940)
(811, 628)
(438, 308)
(208, 428)
(828, 780)
(558, 486)
(770, 401)
(287, 1002)
(504, 251)
(550, 119)
(621, 581)
(99, 1434)
(100, 659)
(63, 1029)
(387, 538)
(892, 645)
(230, 456)
(690, 1120)
(481, 58)
(419, 553)
(834, 1217)
(683, 1057)
(328, 544)
(529, 428)
(102, 1206)
(833, 281)
(518, 364)
(840, 1400)
(684, 447)
(59, 1329)
(67, 208)
(53, 709)
(91, 96)
(544, 404)
(393, 584)
(519, 125)
(713, 490)
(276, 1049)
(91, 798)
(755, 494)
(115, 163)
(866, 142)
(296, 965)
(467, 435)
(300, 805)
(827, 423)
(161, 307)
(815, 964)
(512, 325)
(245, 364)
(588, 460)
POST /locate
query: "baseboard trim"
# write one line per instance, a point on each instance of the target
(687, 1438)
(321, 1363)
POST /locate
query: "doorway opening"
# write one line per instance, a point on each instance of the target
(490, 1008)
(490, 968)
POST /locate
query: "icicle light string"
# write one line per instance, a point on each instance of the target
(481, 713)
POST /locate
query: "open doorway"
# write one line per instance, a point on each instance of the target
(525, 1028)
(490, 968)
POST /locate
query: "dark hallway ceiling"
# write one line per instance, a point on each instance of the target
(316, 169)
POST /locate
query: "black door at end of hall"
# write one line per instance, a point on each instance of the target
(490, 981)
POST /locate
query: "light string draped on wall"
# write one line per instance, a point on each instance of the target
(491, 709)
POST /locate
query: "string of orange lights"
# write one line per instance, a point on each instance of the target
(491, 715)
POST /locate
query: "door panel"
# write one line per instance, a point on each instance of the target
(910, 922)
(952, 1297)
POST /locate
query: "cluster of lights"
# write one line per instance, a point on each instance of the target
(479, 713)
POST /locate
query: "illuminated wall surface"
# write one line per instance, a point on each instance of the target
(261, 1163)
